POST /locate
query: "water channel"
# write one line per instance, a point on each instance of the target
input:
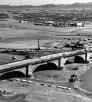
(86, 78)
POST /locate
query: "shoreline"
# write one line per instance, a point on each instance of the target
(77, 84)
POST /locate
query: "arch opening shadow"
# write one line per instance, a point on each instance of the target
(79, 59)
(48, 66)
(67, 62)
(13, 74)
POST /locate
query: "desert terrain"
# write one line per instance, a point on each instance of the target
(47, 85)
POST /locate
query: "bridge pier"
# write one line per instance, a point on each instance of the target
(59, 62)
(27, 73)
(86, 57)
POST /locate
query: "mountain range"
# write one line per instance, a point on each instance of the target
(74, 5)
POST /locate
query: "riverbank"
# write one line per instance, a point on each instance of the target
(87, 80)
(82, 80)
(30, 91)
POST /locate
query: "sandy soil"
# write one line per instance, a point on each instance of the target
(7, 58)
(36, 92)
(22, 35)
(26, 92)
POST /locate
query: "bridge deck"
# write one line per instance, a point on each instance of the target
(23, 63)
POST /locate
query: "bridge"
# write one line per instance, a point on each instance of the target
(54, 61)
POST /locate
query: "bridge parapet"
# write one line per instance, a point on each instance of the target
(23, 63)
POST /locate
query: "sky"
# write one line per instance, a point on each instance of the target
(40, 2)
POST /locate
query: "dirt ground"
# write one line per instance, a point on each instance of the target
(25, 35)
(36, 91)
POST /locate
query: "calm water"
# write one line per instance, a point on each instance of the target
(87, 80)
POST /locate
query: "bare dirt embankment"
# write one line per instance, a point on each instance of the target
(23, 36)
(26, 92)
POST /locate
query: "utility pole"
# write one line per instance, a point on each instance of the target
(38, 44)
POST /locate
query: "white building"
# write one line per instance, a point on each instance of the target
(23, 21)
(80, 24)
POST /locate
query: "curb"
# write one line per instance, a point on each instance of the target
(43, 84)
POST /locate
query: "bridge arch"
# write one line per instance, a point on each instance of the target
(48, 66)
(75, 59)
(79, 59)
(12, 74)
(67, 62)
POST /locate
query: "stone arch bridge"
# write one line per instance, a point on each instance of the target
(55, 61)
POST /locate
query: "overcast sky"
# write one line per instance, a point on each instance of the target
(40, 2)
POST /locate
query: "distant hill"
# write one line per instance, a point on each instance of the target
(74, 5)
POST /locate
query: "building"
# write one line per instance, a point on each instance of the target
(76, 24)
(23, 21)
(80, 24)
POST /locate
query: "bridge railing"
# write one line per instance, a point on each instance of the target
(41, 59)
